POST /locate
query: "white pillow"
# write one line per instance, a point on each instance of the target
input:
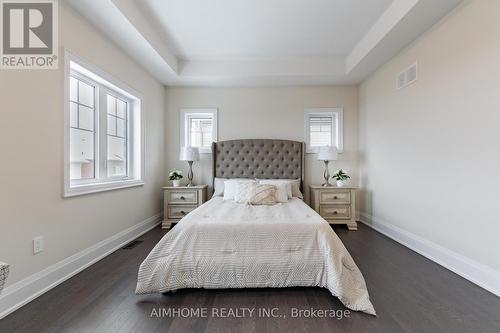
(283, 188)
(231, 186)
(280, 184)
(219, 185)
(281, 191)
(295, 186)
(244, 191)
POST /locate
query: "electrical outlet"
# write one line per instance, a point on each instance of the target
(37, 244)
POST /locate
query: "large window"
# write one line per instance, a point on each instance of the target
(103, 147)
(323, 127)
(199, 128)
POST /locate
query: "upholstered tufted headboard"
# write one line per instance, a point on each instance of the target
(259, 158)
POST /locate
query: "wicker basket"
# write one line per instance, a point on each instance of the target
(4, 273)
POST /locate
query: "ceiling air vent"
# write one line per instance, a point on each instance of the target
(407, 77)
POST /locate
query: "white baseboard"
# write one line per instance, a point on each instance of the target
(26, 290)
(482, 275)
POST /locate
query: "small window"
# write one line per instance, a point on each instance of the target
(323, 127)
(201, 131)
(103, 131)
(199, 128)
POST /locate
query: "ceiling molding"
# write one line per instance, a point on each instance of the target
(137, 18)
(258, 67)
(402, 23)
(384, 25)
(105, 16)
(132, 28)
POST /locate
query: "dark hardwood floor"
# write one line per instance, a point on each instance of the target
(409, 292)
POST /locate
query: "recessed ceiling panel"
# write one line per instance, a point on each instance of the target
(264, 28)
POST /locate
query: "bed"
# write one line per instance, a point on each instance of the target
(223, 244)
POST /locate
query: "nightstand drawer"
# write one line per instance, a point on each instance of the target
(335, 197)
(335, 212)
(182, 196)
(179, 211)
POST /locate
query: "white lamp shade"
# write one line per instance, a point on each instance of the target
(327, 153)
(189, 154)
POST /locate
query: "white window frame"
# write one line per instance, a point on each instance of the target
(135, 130)
(337, 114)
(186, 114)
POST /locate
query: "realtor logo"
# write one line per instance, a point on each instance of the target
(29, 34)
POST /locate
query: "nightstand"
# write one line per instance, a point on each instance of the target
(179, 201)
(337, 205)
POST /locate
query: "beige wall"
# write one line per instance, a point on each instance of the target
(263, 113)
(31, 150)
(430, 155)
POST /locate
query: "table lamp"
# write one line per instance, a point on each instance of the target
(326, 154)
(190, 154)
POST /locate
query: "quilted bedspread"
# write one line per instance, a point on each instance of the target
(223, 244)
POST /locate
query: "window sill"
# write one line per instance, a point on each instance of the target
(101, 187)
(315, 150)
(205, 150)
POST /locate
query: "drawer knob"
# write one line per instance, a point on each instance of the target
(335, 212)
(182, 197)
(335, 197)
(183, 212)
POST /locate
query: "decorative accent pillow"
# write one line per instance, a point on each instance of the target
(284, 188)
(231, 186)
(285, 185)
(263, 194)
(294, 182)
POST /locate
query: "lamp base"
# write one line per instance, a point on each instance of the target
(190, 174)
(326, 176)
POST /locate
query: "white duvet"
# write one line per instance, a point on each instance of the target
(223, 244)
